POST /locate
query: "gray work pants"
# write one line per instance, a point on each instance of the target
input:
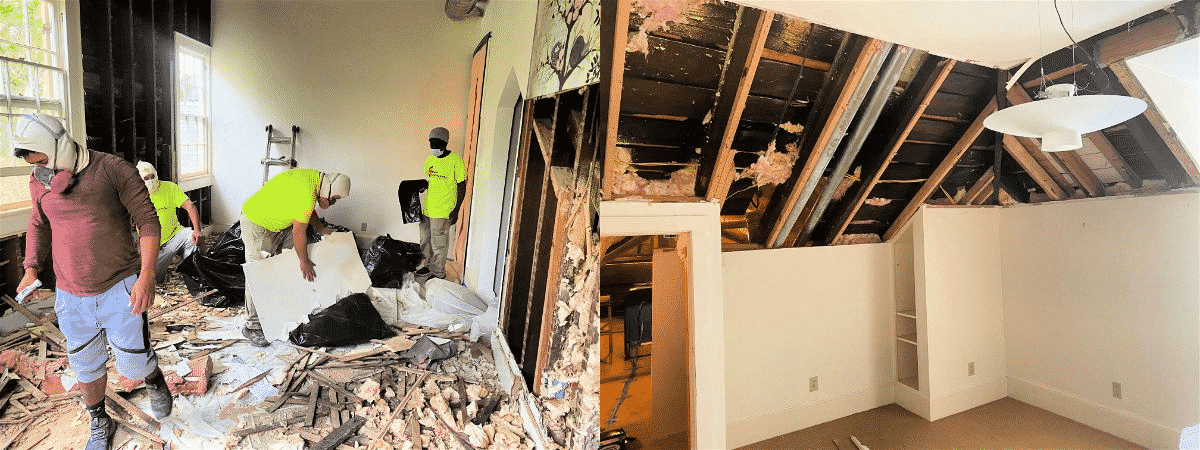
(435, 243)
(257, 240)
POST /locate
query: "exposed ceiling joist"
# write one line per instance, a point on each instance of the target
(1019, 152)
(1100, 142)
(981, 191)
(935, 180)
(612, 73)
(914, 110)
(1050, 77)
(843, 110)
(741, 63)
(1018, 96)
(1135, 89)
(625, 245)
(1178, 26)
(1080, 171)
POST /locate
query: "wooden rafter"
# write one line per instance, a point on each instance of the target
(1150, 36)
(914, 112)
(1100, 142)
(842, 112)
(1080, 171)
(935, 180)
(614, 36)
(1135, 89)
(979, 192)
(626, 244)
(741, 63)
(1050, 77)
(1021, 153)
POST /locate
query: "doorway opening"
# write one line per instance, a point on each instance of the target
(645, 358)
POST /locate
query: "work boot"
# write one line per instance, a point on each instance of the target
(160, 398)
(102, 430)
(256, 337)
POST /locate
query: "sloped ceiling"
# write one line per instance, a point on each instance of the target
(810, 134)
(999, 34)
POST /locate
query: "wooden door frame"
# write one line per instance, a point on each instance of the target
(470, 148)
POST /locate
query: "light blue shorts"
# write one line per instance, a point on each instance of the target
(84, 320)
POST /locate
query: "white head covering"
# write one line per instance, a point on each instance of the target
(145, 168)
(333, 183)
(46, 134)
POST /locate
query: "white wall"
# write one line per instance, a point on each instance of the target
(365, 81)
(794, 313)
(1106, 290)
(963, 312)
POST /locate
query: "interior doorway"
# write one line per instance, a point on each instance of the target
(645, 340)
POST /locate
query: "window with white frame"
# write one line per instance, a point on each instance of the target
(193, 110)
(33, 74)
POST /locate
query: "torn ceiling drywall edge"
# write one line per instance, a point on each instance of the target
(682, 182)
(284, 299)
(657, 14)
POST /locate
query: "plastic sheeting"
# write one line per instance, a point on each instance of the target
(439, 304)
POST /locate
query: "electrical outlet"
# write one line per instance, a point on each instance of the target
(1116, 389)
(971, 369)
(364, 227)
(812, 384)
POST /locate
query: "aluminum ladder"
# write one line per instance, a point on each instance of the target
(288, 161)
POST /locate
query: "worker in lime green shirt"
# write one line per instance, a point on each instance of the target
(447, 176)
(175, 238)
(286, 203)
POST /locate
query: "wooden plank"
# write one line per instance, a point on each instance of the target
(129, 407)
(795, 60)
(1081, 172)
(1145, 38)
(842, 112)
(1135, 89)
(969, 135)
(981, 190)
(1019, 152)
(614, 36)
(1118, 162)
(913, 112)
(139, 430)
(741, 63)
(338, 436)
(310, 414)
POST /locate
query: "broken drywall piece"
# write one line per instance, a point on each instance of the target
(682, 182)
(284, 299)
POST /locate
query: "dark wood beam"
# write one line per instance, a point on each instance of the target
(614, 36)
(935, 180)
(1135, 89)
(1018, 96)
(853, 90)
(741, 62)
(1169, 29)
(914, 110)
(1050, 77)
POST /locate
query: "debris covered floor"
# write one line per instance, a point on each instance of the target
(230, 394)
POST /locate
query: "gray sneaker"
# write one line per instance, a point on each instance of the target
(160, 400)
(102, 430)
(256, 337)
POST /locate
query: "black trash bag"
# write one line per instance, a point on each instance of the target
(387, 260)
(220, 268)
(351, 321)
(410, 199)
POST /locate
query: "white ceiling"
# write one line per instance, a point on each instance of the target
(1000, 33)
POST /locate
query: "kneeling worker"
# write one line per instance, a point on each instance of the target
(287, 202)
(176, 239)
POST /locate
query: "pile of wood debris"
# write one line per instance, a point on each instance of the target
(371, 395)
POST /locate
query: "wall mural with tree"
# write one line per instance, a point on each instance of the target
(566, 46)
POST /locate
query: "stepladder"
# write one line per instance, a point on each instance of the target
(287, 161)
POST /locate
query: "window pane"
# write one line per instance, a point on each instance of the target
(192, 100)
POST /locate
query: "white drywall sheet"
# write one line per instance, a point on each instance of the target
(284, 299)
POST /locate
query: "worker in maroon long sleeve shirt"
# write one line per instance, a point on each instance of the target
(83, 203)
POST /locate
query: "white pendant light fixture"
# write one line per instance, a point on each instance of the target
(1062, 118)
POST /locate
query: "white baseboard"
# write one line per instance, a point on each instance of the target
(984, 392)
(912, 400)
(1120, 423)
(776, 423)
